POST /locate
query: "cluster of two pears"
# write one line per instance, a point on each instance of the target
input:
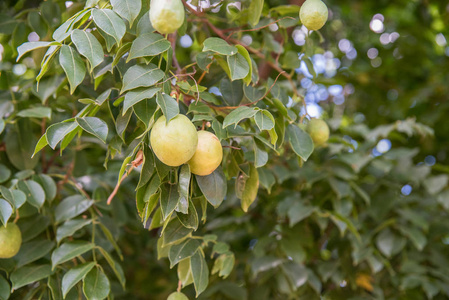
(178, 142)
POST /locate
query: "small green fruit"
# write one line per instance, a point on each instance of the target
(208, 154)
(166, 16)
(10, 240)
(319, 131)
(174, 143)
(313, 14)
(177, 296)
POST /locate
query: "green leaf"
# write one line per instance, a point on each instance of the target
(224, 264)
(219, 46)
(232, 91)
(32, 251)
(298, 212)
(238, 66)
(26, 275)
(30, 230)
(264, 120)
(73, 66)
(141, 76)
(127, 9)
(213, 186)
(40, 145)
(200, 272)
(183, 189)
(111, 239)
(110, 42)
(118, 271)
(250, 188)
(5, 173)
(300, 141)
(124, 49)
(177, 296)
(203, 60)
(389, 243)
(69, 250)
(88, 46)
(96, 285)
(145, 111)
(148, 44)
(144, 24)
(238, 115)
(135, 96)
(147, 169)
(168, 105)
(184, 272)
(260, 157)
(49, 186)
(37, 23)
(2, 125)
(30, 46)
(36, 112)
(254, 12)
(19, 142)
(189, 220)
(296, 274)
(94, 126)
(242, 50)
(5, 289)
(56, 132)
(71, 207)
(266, 179)
(34, 192)
(175, 232)
(74, 275)
(416, 236)
(169, 199)
(182, 251)
(5, 211)
(70, 227)
(47, 87)
(15, 197)
(110, 23)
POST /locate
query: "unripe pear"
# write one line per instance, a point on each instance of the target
(319, 131)
(174, 143)
(10, 240)
(208, 154)
(166, 16)
(313, 14)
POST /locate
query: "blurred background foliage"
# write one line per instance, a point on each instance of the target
(366, 217)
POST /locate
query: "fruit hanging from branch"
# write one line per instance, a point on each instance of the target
(313, 14)
(166, 16)
(10, 240)
(175, 142)
(319, 131)
(208, 154)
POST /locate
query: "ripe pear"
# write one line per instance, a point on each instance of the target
(208, 154)
(10, 240)
(166, 16)
(174, 143)
(313, 14)
(319, 131)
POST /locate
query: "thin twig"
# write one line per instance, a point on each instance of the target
(134, 164)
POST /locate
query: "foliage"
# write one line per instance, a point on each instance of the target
(361, 217)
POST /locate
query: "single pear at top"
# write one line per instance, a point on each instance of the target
(313, 14)
(166, 16)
